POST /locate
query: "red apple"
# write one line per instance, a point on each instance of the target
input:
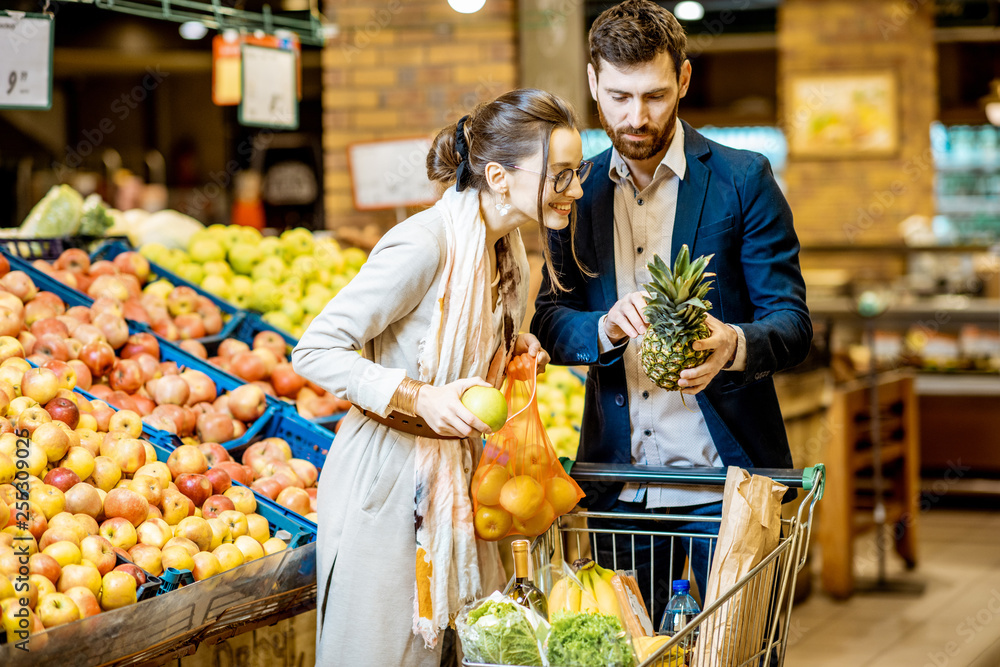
(73, 260)
(187, 459)
(84, 378)
(64, 410)
(99, 357)
(190, 325)
(248, 366)
(84, 499)
(126, 376)
(141, 343)
(126, 503)
(215, 427)
(220, 480)
(271, 340)
(269, 487)
(63, 479)
(230, 347)
(215, 505)
(85, 601)
(98, 550)
(247, 403)
(172, 390)
(236, 471)
(133, 263)
(202, 387)
(193, 346)
(133, 571)
(196, 487)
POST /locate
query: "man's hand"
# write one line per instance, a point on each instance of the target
(625, 319)
(723, 341)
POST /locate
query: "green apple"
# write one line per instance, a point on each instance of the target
(293, 311)
(173, 258)
(249, 235)
(278, 320)
(270, 245)
(240, 285)
(191, 272)
(270, 268)
(244, 256)
(161, 288)
(244, 301)
(323, 275)
(354, 258)
(217, 269)
(305, 267)
(291, 288)
(232, 235)
(295, 242)
(338, 283)
(207, 250)
(217, 285)
(312, 304)
(154, 252)
(488, 404)
(330, 255)
(265, 295)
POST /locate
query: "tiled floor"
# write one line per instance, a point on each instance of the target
(955, 623)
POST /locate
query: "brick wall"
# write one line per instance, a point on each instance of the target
(402, 68)
(862, 200)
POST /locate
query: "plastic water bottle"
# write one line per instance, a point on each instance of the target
(680, 610)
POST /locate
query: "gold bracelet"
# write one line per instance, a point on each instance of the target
(405, 398)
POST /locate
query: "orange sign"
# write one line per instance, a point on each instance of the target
(227, 64)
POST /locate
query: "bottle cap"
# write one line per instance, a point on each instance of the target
(681, 586)
(522, 546)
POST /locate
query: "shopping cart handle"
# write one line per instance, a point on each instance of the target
(582, 471)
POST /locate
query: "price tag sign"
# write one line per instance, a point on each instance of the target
(25, 60)
(270, 88)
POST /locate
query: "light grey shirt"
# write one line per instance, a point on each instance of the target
(665, 429)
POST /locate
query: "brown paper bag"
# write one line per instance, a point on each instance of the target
(750, 530)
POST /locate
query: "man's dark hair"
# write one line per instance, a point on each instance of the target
(635, 32)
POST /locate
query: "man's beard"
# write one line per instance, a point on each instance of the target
(648, 147)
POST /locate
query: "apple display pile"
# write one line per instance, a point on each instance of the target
(269, 468)
(560, 404)
(120, 287)
(97, 491)
(264, 363)
(289, 279)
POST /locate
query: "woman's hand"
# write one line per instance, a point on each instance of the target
(442, 408)
(528, 344)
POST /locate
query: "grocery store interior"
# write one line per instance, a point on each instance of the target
(259, 152)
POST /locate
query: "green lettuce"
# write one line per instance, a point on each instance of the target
(588, 640)
(95, 219)
(498, 632)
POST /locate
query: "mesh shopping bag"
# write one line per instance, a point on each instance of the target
(520, 487)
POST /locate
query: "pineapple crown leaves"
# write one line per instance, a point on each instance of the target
(679, 295)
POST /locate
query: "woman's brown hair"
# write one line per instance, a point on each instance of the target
(506, 131)
(635, 32)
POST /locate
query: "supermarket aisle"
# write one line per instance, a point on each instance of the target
(956, 623)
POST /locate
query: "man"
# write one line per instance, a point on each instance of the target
(662, 185)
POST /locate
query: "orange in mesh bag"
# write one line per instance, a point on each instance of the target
(519, 487)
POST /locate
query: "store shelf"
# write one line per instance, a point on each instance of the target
(944, 384)
(941, 309)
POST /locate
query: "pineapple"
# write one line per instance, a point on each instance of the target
(676, 313)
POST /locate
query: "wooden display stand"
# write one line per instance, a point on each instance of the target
(847, 507)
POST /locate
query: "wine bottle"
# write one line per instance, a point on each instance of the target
(524, 592)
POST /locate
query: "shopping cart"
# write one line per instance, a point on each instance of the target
(748, 625)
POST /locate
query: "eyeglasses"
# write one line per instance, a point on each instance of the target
(565, 177)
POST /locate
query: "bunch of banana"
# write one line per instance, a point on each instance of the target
(647, 646)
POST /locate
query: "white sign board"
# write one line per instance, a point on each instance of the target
(270, 88)
(390, 174)
(25, 61)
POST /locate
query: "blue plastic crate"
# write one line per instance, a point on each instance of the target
(109, 251)
(51, 248)
(47, 283)
(302, 530)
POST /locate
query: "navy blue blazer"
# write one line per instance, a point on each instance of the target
(728, 204)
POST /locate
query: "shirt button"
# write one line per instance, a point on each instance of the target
(640, 201)
(645, 394)
(639, 250)
(647, 433)
(619, 400)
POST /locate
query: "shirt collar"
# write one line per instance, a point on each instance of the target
(675, 159)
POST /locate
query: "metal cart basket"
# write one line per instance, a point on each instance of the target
(748, 625)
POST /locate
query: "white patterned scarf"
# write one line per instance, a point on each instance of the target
(452, 567)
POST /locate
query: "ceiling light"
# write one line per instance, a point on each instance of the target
(991, 102)
(193, 30)
(688, 10)
(467, 6)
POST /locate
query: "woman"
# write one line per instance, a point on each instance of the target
(435, 310)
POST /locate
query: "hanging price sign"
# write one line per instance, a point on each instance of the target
(270, 88)
(25, 60)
